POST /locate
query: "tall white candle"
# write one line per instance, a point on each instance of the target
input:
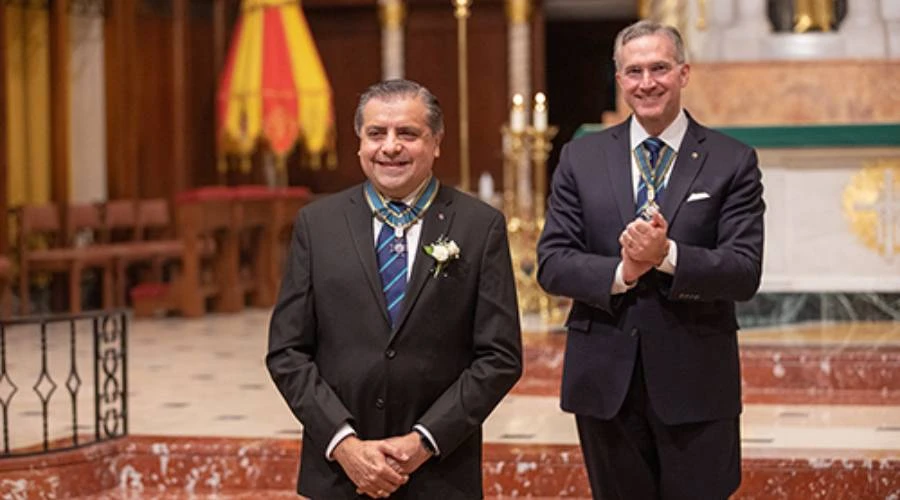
(539, 115)
(517, 114)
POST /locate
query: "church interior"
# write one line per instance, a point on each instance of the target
(154, 153)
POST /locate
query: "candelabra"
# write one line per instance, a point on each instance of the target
(525, 220)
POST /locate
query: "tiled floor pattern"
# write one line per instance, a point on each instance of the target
(206, 377)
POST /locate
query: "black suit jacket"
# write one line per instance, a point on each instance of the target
(454, 353)
(684, 325)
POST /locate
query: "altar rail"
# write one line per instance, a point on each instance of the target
(78, 376)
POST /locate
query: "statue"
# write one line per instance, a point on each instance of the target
(813, 15)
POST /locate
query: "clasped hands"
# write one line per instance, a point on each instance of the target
(645, 245)
(379, 467)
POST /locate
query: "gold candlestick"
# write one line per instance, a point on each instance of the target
(513, 144)
(461, 12)
(541, 145)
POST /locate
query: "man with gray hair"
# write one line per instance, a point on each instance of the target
(396, 330)
(654, 228)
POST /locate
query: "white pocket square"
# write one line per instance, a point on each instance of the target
(697, 196)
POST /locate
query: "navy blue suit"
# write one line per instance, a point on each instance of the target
(680, 329)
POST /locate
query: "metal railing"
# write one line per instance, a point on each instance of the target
(46, 351)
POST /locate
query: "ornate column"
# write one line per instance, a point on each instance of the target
(392, 14)
(88, 103)
(519, 14)
(719, 16)
(890, 12)
(744, 40)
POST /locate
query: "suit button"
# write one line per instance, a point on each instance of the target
(390, 353)
(379, 403)
(633, 332)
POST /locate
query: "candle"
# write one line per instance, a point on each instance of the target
(517, 114)
(539, 116)
(486, 188)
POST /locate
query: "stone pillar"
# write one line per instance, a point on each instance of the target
(719, 17)
(863, 30)
(392, 14)
(88, 109)
(519, 15)
(890, 12)
(743, 40)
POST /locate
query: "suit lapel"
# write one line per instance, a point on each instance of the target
(619, 169)
(691, 157)
(359, 220)
(435, 223)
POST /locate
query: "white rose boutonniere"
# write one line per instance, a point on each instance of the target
(442, 251)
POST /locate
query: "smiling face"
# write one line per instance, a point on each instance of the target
(397, 149)
(651, 80)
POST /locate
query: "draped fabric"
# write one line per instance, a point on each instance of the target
(28, 104)
(273, 86)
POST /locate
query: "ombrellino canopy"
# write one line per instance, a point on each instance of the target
(274, 85)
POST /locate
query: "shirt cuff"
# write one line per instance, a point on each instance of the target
(343, 433)
(619, 286)
(668, 264)
(421, 428)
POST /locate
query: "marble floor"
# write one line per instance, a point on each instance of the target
(206, 377)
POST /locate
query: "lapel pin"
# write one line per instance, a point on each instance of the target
(440, 215)
(694, 155)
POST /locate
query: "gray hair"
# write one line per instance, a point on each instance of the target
(647, 28)
(393, 89)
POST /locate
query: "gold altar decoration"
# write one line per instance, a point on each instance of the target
(812, 15)
(871, 204)
(391, 13)
(518, 11)
(461, 12)
(524, 222)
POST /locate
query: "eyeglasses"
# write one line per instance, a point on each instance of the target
(655, 70)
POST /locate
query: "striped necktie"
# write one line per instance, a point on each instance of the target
(391, 251)
(652, 145)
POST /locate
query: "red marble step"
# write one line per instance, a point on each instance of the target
(119, 494)
(789, 374)
(169, 467)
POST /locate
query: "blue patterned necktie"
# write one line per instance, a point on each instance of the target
(653, 145)
(391, 251)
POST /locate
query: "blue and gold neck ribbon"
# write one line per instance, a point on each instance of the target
(401, 219)
(654, 177)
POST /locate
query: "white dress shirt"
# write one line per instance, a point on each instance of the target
(413, 234)
(672, 136)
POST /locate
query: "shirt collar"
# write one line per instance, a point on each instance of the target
(672, 135)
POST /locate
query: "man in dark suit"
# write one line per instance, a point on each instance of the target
(396, 330)
(654, 229)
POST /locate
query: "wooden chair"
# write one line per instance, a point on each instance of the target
(126, 223)
(211, 255)
(253, 208)
(289, 201)
(155, 230)
(43, 247)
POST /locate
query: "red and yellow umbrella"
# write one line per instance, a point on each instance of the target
(274, 86)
